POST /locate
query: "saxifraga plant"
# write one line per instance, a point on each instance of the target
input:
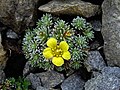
(70, 43)
(16, 84)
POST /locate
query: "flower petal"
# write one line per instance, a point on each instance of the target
(64, 46)
(58, 61)
(52, 42)
(66, 55)
(47, 53)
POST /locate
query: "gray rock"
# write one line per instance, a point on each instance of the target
(111, 31)
(18, 14)
(50, 79)
(114, 71)
(94, 61)
(43, 88)
(95, 73)
(74, 82)
(2, 76)
(94, 1)
(71, 7)
(95, 45)
(27, 69)
(35, 80)
(12, 35)
(103, 82)
(3, 55)
(97, 26)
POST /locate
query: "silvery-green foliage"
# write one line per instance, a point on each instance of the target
(83, 27)
(46, 21)
(77, 35)
(79, 23)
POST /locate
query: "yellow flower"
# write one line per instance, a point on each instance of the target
(57, 52)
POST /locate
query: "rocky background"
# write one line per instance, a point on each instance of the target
(103, 64)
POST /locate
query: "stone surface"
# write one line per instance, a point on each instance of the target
(95, 73)
(99, 2)
(73, 82)
(35, 80)
(27, 69)
(97, 26)
(71, 7)
(111, 31)
(13, 44)
(114, 71)
(103, 82)
(94, 62)
(107, 79)
(3, 55)
(18, 14)
(50, 79)
(95, 45)
(2, 76)
(12, 35)
(43, 88)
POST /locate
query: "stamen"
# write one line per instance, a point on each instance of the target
(52, 49)
(60, 55)
(57, 51)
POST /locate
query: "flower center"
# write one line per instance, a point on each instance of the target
(57, 51)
